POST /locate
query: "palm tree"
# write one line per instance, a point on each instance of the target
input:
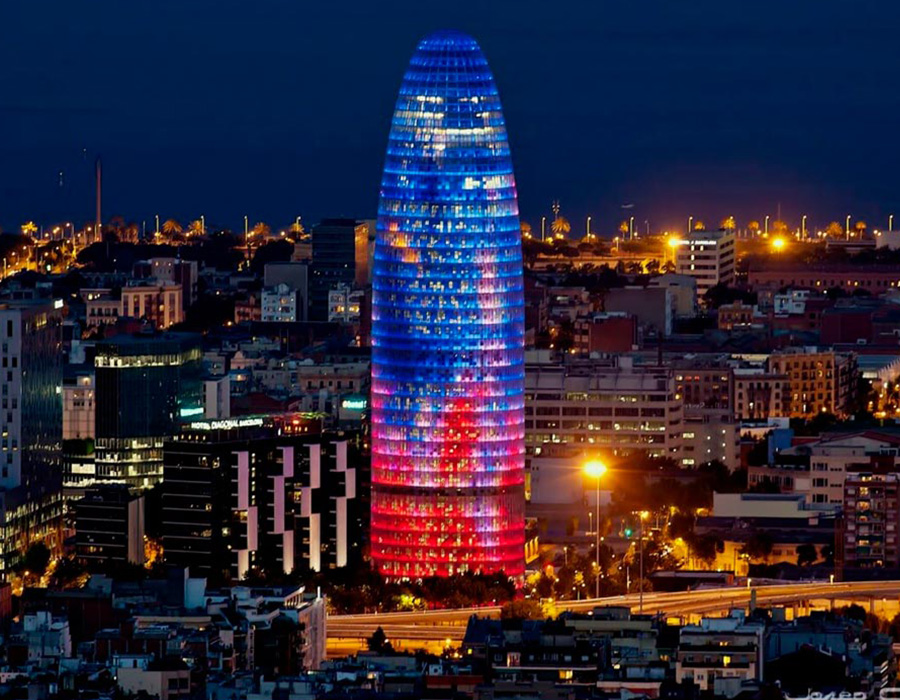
(130, 233)
(297, 229)
(195, 228)
(171, 228)
(560, 227)
(623, 228)
(753, 227)
(860, 228)
(834, 230)
(779, 227)
(728, 224)
(28, 228)
(260, 229)
(525, 227)
(699, 225)
(653, 266)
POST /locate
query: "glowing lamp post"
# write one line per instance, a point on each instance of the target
(596, 469)
(644, 516)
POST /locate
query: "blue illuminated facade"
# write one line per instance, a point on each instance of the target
(448, 327)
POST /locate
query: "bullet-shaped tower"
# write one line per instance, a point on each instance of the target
(448, 327)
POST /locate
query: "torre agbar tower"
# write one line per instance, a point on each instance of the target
(448, 376)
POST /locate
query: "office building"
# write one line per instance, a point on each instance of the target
(601, 406)
(340, 258)
(448, 327)
(109, 526)
(31, 426)
(240, 494)
(708, 257)
(146, 386)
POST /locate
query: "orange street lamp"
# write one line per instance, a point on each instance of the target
(596, 469)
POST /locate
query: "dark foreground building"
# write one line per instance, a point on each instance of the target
(238, 496)
(109, 526)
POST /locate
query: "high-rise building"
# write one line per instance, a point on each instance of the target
(146, 386)
(31, 425)
(708, 257)
(238, 494)
(109, 525)
(448, 327)
(340, 256)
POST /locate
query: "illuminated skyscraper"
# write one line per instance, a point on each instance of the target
(448, 327)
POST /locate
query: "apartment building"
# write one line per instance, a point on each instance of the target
(821, 381)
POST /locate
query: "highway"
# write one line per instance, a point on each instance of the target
(438, 626)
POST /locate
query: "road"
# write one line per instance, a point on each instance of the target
(437, 626)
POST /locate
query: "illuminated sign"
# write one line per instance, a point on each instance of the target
(354, 404)
(188, 412)
(227, 424)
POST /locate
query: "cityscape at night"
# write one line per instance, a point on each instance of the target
(469, 351)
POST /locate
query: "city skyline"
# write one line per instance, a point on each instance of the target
(703, 110)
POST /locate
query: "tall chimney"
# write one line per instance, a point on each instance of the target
(99, 185)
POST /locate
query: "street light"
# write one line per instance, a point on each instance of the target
(847, 228)
(778, 244)
(596, 469)
(690, 223)
(891, 222)
(589, 228)
(803, 227)
(644, 515)
(766, 229)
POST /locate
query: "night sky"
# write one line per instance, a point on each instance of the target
(279, 108)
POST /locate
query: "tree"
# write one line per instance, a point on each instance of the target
(860, 228)
(699, 225)
(379, 643)
(36, 559)
(525, 227)
(171, 228)
(759, 546)
(196, 228)
(806, 554)
(753, 227)
(834, 230)
(779, 227)
(261, 229)
(624, 228)
(728, 224)
(705, 548)
(527, 609)
(560, 227)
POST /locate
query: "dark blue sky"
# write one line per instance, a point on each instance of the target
(279, 108)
